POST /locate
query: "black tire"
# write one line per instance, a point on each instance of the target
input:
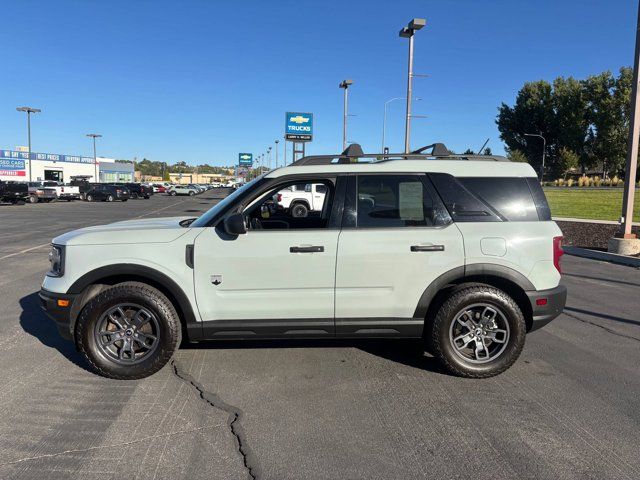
(109, 198)
(125, 199)
(83, 196)
(441, 342)
(134, 196)
(89, 198)
(33, 199)
(191, 193)
(172, 193)
(168, 339)
(299, 210)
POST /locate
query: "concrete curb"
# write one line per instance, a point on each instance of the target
(586, 220)
(603, 256)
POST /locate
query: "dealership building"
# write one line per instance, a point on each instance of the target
(18, 165)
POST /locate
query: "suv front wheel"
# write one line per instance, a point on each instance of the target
(478, 332)
(128, 331)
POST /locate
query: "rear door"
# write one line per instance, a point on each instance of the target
(396, 239)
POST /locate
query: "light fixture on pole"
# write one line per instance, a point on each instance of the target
(345, 85)
(277, 141)
(29, 111)
(95, 158)
(408, 32)
(544, 151)
(269, 157)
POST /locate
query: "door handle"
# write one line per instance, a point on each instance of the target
(309, 249)
(427, 248)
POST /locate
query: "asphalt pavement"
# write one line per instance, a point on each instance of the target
(568, 409)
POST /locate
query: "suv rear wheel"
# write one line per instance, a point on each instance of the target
(128, 331)
(478, 332)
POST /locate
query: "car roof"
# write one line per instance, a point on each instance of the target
(470, 168)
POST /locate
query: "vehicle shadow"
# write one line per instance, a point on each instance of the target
(407, 352)
(34, 322)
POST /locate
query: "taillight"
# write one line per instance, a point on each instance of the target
(279, 197)
(557, 252)
(118, 190)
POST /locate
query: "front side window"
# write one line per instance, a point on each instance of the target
(290, 206)
(388, 201)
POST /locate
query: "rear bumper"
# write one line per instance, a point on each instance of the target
(60, 315)
(555, 301)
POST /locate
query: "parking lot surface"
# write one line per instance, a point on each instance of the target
(569, 408)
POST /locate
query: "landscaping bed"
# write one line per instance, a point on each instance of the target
(589, 235)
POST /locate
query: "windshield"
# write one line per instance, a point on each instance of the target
(204, 219)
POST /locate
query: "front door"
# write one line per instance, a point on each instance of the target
(397, 241)
(277, 279)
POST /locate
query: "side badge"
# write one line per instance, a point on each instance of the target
(216, 279)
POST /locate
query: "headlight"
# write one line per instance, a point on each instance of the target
(56, 259)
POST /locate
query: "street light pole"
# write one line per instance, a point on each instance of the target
(277, 141)
(384, 119)
(544, 151)
(269, 157)
(29, 111)
(345, 111)
(632, 149)
(95, 158)
(408, 32)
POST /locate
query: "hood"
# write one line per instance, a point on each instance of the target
(151, 230)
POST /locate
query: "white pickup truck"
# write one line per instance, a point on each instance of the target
(300, 199)
(64, 192)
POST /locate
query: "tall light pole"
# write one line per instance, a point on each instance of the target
(277, 141)
(345, 85)
(29, 111)
(632, 155)
(384, 118)
(544, 151)
(408, 32)
(95, 158)
(269, 157)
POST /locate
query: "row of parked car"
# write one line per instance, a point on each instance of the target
(82, 189)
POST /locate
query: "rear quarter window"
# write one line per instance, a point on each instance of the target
(509, 196)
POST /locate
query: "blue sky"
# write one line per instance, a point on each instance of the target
(200, 81)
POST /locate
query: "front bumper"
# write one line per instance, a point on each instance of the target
(555, 301)
(59, 314)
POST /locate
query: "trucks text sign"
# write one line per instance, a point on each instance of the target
(299, 126)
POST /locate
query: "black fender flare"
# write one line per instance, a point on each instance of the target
(132, 271)
(472, 272)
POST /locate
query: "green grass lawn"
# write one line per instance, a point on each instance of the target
(591, 204)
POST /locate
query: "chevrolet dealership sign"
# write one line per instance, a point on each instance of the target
(299, 126)
(245, 159)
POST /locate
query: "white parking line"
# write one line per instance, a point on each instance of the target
(25, 251)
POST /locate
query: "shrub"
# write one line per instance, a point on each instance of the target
(597, 181)
(615, 181)
(570, 182)
(581, 181)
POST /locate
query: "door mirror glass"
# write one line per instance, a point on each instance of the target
(234, 224)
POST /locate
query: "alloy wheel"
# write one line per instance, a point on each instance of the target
(127, 334)
(479, 333)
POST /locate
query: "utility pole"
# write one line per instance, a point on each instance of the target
(345, 85)
(29, 111)
(627, 242)
(408, 32)
(95, 158)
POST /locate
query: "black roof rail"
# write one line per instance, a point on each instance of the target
(437, 150)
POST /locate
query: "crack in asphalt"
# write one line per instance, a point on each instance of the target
(606, 329)
(233, 420)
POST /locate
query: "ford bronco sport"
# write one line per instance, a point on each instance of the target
(457, 250)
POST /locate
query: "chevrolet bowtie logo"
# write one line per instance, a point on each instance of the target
(245, 157)
(299, 119)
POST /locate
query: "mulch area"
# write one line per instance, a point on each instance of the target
(589, 235)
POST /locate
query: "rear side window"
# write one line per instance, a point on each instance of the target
(388, 201)
(544, 212)
(461, 203)
(509, 196)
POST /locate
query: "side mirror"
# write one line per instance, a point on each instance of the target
(234, 224)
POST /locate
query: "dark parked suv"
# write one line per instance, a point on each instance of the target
(137, 190)
(107, 193)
